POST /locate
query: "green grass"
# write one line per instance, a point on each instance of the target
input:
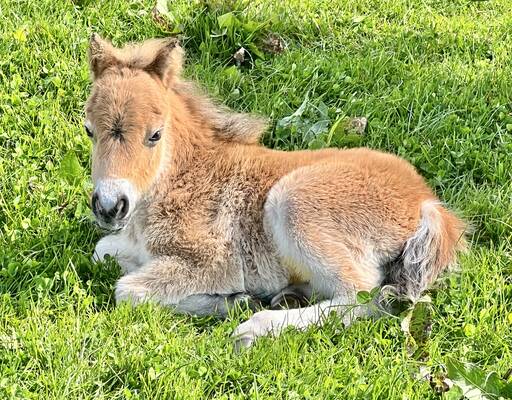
(434, 79)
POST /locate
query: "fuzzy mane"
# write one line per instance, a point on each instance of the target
(153, 56)
(226, 124)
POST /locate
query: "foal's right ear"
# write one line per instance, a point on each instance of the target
(167, 61)
(101, 55)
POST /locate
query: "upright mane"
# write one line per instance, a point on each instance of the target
(225, 124)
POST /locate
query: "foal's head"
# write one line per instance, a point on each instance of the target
(127, 117)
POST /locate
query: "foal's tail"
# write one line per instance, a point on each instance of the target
(432, 248)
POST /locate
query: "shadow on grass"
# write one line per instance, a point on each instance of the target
(57, 261)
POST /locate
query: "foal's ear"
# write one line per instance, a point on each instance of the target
(167, 62)
(101, 55)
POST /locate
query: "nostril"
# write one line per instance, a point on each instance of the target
(122, 207)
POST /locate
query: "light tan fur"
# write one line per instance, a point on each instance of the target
(219, 217)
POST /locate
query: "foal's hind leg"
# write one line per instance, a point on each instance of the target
(293, 296)
(301, 215)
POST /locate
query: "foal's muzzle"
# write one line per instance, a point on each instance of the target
(108, 214)
(112, 202)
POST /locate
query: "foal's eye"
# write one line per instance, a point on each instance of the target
(155, 137)
(88, 131)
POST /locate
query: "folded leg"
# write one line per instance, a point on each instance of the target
(172, 281)
(318, 225)
(273, 322)
(129, 253)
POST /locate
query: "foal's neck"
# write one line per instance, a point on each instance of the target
(191, 134)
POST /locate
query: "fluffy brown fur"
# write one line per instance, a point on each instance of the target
(218, 216)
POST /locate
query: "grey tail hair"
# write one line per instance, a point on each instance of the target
(432, 249)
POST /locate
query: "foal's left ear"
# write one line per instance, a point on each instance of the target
(168, 61)
(102, 55)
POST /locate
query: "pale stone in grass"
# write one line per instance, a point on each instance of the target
(357, 125)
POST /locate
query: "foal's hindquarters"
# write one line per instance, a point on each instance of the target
(346, 221)
(349, 224)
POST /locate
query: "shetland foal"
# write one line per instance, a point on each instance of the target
(204, 216)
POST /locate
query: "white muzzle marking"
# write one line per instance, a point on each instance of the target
(108, 192)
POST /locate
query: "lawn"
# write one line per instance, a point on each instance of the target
(434, 80)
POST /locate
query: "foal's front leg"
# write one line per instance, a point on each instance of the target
(129, 253)
(172, 281)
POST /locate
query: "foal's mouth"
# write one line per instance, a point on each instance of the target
(113, 225)
(113, 203)
(110, 223)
